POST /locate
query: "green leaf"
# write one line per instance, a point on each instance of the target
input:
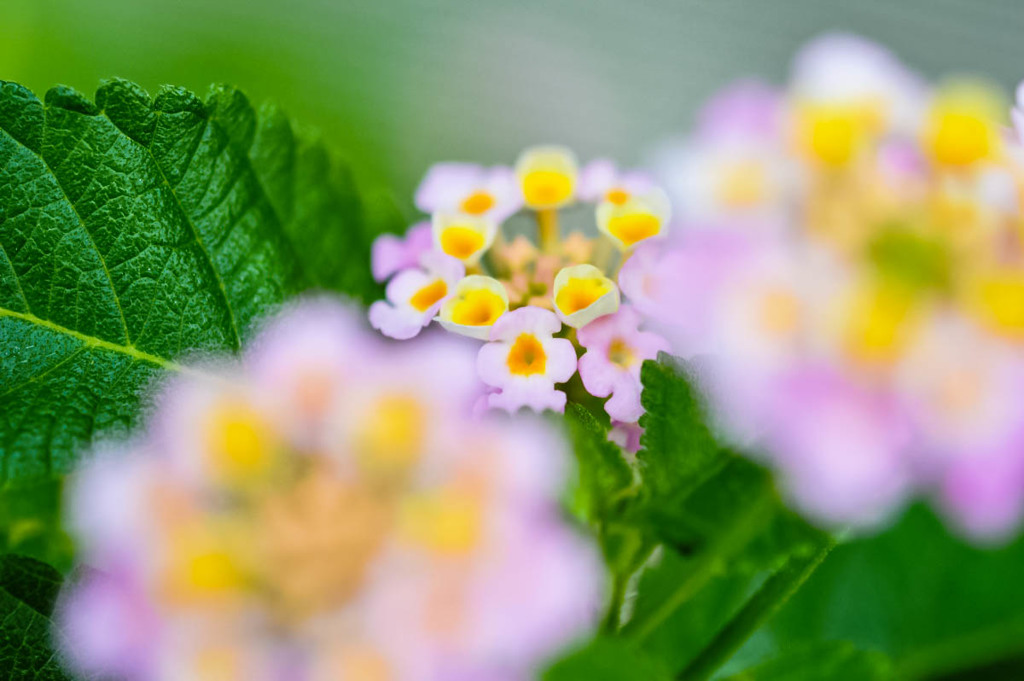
(606, 659)
(28, 590)
(603, 473)
(135, 230)
(731, 548)
(931, 602)
(826, 661)
(679, 450)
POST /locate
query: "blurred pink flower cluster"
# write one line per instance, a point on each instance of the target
(326, 509)
(848, 254)
(537, 304)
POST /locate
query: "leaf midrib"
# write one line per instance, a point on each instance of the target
(93, 341)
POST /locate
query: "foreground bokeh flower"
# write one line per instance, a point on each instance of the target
(849, 264)
(517, 293)
(326, 509)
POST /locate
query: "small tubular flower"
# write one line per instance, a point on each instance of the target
(569, 271)
(477, 303)
(391, 253)
(547, 177)
(525, 361)
(582, 294)
(616, 348)
(415, 295)
(601, 180)
(637, 218)
(402, 540)
(470, 189)
(463, 236)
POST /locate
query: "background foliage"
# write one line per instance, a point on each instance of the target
(400, 84)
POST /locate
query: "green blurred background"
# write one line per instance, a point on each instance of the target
(398, 84)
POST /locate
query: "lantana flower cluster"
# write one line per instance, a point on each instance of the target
(538, 303)
(848, 261)
(326, 509)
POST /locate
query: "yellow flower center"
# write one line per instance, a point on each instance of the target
(527, 356)
(959, 139)
(478, 308)
(391, 439)
(199, 565)
(881, 325)
(478, 203)
(428, 296)
(620, 353)
(834, 134)
(546, 188)
(742, 185)
(617, 196)
(999, 302)
(239, 442)
(579, 294)
(461, 242)
(632, 228)
(448, 521)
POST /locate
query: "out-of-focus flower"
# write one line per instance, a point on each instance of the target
(616, 348)
(415, 295)
(525, 361)
(847, 93)
(470, 189)
(862, 312)
(391, 253)
(963, 124)
(572, 275)
(734, 165)
(395, 538)
(601, 180)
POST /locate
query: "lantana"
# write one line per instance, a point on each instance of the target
(534, 302)
(326, 509)
(855, 270)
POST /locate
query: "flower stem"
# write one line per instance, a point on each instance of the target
(765, 603)
(611, 620)
(547, 230)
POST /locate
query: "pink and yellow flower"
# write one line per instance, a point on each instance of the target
(415, 295)
(524, 361)
(616, 348)
(400, 539)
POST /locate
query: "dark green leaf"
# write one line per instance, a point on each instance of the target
(934, 604)
(603, 473)
(826, 661)
(134, 230)
(606, 659)
(28, 589)
(724, 528)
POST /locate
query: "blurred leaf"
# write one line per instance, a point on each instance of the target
(28, 590)
(724, 528)
(134, 230)
(606, 659)
(30, 524)
(934, 604)
(826, 661)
